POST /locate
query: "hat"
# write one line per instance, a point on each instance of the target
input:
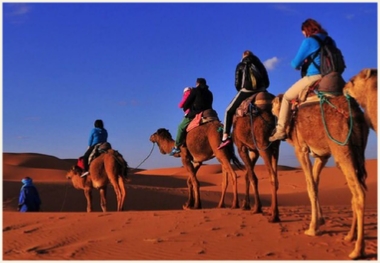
(201, 81)
(27, 180)
(186, 89)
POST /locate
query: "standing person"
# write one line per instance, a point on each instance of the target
(309, 47)
(245, 87)
(199, 99)
(29, 199)
(97, 135)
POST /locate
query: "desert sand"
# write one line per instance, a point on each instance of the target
(154, 226)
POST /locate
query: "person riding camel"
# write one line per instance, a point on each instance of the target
(246, 87)
(199, 99)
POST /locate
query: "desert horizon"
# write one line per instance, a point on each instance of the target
(153, 225)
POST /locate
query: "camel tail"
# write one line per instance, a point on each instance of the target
(233, 157)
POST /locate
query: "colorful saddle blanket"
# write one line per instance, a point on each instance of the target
(202, 118)
(259, 101)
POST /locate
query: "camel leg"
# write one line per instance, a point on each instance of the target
(351, 235)
(303, 158)
(190, 201)
(88, 195)
(224, 189)
(358, 204)
(228, 170)
(192, 183)
(253, 181)
(319, 163)
(266, 155)
(123, 193)
(103, 200)
(118, 193)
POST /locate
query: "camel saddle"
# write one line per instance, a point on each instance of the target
(331, 85)
(98, 150)
(261, 100)
(202, 118)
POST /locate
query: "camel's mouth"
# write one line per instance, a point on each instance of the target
(153, 138)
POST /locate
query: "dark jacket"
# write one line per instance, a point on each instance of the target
(200, 99)
(261, 83)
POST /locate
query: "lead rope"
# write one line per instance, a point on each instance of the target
(145, 158)
(64, 197)
(324, 99)
(253, 136)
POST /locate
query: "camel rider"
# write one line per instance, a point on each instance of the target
(308, 47)
(199, 99)
(246, 87)
(97, 135)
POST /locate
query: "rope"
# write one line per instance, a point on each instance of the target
(253, 136)
(64, 198)
(323, 99)
(144, 159)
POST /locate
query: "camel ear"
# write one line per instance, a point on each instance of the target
(367, 73)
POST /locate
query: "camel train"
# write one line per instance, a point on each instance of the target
(333, 125)
(202, 145)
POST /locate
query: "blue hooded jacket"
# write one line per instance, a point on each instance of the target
(308, 47)
(29, 199)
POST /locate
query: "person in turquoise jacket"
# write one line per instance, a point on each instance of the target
(29, 199)
(97, 135)
(302, 61)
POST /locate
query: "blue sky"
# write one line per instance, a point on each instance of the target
(67, 64)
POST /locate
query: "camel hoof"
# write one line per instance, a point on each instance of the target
(356, 255)
(311, 232)
(321, 221)
(257, 210)
(221, 206)
(349, 238)
(274, 219)
(185, 207)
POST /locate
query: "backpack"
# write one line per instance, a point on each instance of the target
(252, 75)
(331, 57)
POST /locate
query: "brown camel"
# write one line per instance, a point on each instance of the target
(363, 88)
(336, 128)
(201, 145)
(250, 134)
(109, 167)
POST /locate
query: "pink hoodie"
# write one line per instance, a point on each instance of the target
(185, 95)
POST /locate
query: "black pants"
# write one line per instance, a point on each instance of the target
(231, 109)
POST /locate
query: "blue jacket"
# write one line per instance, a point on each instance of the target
(29, 199)
(308, 46)
(97, 135)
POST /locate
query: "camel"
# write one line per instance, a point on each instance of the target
(336, 128)
(201, 145)
(250, 135)
(363, 88)
(109, 167)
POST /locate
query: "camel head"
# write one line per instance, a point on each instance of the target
(161, 134)
(276, 104)
(360, 84)
(75, 170)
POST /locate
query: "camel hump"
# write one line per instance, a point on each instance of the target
(261, 100)
(202, 118)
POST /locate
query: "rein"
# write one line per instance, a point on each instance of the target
(251, 122)
(144, 159)
(323, 99)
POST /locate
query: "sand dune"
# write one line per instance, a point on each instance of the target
(154, 227)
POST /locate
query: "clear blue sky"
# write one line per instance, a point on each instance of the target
(67, 64)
